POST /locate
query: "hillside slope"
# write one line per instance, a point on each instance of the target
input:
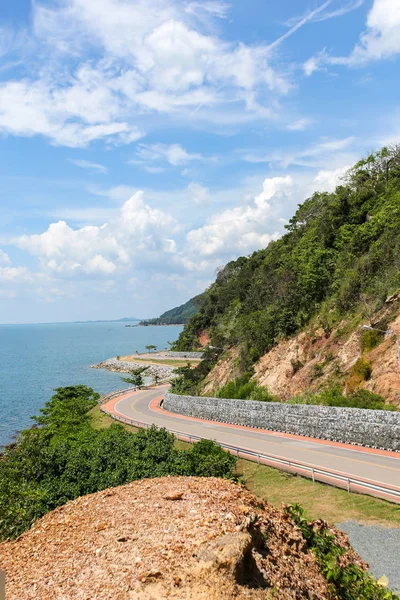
(186, 538)
(178, 315)
(332, 272)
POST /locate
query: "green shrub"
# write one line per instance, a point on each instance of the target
(334, 396)
(244, 388)
(370, 339)
(65, 458)
(362, 398)
(347, 581)
(318, 371)
(362, 369)
(296, 365)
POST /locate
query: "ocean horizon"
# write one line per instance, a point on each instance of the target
(39, 357)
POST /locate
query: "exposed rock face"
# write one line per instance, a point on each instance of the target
(312, 358)
(292, 366)
(187, 538)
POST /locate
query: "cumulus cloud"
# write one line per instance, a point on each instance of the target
(326, 181)
(138, 233)
(242, 229)
(4, 259)
(380, 40)
(11, 278)
(198, 194)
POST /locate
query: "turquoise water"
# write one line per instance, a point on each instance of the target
(35, 359)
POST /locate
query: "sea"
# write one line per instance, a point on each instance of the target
(36, 359)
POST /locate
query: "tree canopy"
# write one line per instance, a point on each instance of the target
(341, 250)
(64, 457)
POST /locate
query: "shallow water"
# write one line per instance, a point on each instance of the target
(35, 359)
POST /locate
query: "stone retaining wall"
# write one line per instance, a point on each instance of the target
(371, 428)
(173, 354)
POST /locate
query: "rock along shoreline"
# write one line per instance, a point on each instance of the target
(124, 366)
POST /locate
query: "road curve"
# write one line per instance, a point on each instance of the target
(378, 467)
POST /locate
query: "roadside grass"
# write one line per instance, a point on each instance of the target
(320, 501)
(169, 362)
(100, 420)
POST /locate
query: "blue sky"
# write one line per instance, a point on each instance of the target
(145, 143)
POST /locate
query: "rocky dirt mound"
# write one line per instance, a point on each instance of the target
(189, 538)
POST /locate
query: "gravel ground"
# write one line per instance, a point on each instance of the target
(379, 547)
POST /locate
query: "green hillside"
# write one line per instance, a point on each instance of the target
(341, 253)
(176, 316)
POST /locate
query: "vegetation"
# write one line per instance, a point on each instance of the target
(187, 379)
(151, 348)
(65, 457)
(341, 253)
(176, 316)
(334, 396)
(346, 579)
(244, 388)
(321, 501)
(136, 377)
(370, 340)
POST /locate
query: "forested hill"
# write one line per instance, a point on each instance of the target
(176, 316)
(341, 253)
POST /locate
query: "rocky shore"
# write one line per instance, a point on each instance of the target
(124, 366)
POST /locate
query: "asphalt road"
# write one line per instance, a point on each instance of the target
(358, 462)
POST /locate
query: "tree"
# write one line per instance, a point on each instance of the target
(151, 347)
(136, 377)
(65, 457)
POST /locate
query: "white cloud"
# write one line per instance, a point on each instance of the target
(322, 14)
(300, 124)
(12, 278)
(137, 235)
(382, 37)
(326, 181)
(380, 40)
(154, 60)
(90, 166)
(71, 115)
(323, 153)
(198, 194)
(211, 7)
(4, 259)
(242, 229)
(174, 154)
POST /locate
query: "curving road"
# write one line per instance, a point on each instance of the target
(378, 467)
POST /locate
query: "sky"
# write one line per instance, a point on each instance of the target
(146, 143)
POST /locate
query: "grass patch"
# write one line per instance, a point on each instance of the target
(100, 420)
(320, 501)
(170, 362)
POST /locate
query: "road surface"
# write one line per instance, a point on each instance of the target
(378, 467)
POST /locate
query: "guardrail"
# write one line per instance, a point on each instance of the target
(335, 478)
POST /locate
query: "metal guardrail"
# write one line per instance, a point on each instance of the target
(351, 484)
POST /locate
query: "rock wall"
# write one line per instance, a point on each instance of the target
(173, 354)
(371, 428)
